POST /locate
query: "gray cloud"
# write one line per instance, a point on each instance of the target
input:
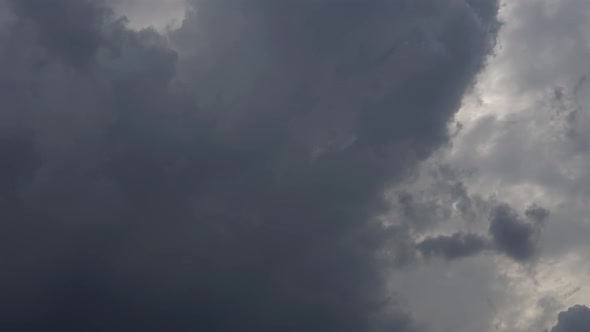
(453, 246)
(230, 182)
(71, 29)
(436, 199)
(537, 213)
(434, 196)
(511, 234)
(523, 140)
(576, 318)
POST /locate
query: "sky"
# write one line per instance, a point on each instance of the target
(317, 165)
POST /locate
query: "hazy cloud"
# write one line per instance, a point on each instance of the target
(453, 246)
(537, 213)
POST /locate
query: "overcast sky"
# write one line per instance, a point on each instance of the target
(318, 165)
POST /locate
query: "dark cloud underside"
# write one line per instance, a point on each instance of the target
(230, 185)
(513, 236)
(574, 319)
(537, 213)
(508, 235)
(454, 246)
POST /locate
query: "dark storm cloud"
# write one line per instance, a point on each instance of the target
(70, 28)
(450, 247)
(575, 319)
(234, 185)
(512, 235)
(508, 234)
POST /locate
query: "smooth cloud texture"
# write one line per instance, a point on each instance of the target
(228, 177)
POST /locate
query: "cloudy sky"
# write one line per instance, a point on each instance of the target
(318, 165)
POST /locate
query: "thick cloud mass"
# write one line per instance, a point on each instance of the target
(576, 318)
(512, 235)
(508, 234)
(229, 182)
(68, 27)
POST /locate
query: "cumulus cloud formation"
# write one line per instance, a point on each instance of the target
(227, 176)
(523, 141)
(574, 319)
(508, 234)
(511, 234)
(69, 28)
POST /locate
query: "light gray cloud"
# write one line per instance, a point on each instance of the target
(523, 138)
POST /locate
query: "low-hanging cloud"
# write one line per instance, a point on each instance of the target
(509, 234)
(227, 176)
(454, 246)
(574, 319)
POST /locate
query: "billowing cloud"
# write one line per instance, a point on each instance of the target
(227, 176)
(69, 28)
(508, 234)
(576, 318)
(511, 234)
(522, 141)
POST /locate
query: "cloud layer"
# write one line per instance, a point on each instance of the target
(226, 177)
